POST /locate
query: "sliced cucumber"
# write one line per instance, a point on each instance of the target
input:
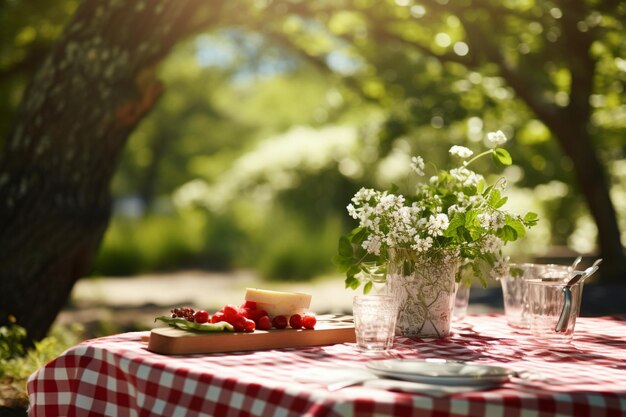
(184, 324)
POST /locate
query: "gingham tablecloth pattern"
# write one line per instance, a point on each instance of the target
(117, 376)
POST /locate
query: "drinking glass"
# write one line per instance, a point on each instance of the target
(515, 288)
(514, 293)
(546, 300)
(374, 321)
(461, 301)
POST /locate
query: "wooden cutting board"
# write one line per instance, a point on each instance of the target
(329, 330)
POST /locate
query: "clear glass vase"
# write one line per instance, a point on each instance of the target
(424, 289)
(376, 274)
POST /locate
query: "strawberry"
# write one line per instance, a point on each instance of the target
(308, 322)
(280, 322)
(249, 325)
(201, 316)
(295, 321)
(264, 323)
(217, 317)
(230, 311)
(255, 314)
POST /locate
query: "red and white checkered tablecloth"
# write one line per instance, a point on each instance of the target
(117, 376)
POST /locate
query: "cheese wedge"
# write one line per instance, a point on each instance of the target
(278, 303)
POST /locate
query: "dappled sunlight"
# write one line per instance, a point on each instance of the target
(160, 155)
(273, 166)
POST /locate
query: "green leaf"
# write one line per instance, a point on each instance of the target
(342, 263)
(345, 247)
(394, 189)
(471, 219)
(358, 235)
(531, 218)
(507, 233)
(352, 271)
(368, 287)
(516, 272)
(482, 280)
(352, 282)
(501, 202)
(494, 197)
(448, 200)
(481, 186)
(467, 235)
(457, 221)
(470, 190)
(517, 225)
(478, 273)
(502, 156)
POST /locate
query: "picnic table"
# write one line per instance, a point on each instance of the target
(118, 376)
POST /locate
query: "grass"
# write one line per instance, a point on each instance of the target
(18, 363)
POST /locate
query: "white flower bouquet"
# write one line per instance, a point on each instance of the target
(453, 214)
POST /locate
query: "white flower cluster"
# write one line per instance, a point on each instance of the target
(466, 177)
(494, 220)
(451, 214)
(393, 224)
(500, 268)
(461, 151)
(495, 139)
(437, 224)
(417, 165)
(422, 225)
(491, 244)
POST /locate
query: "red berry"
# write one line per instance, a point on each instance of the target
(183, 312)
(250, 305)
(308, 322)
(280, 322)
(230, 311)
(201, 316)
(264, 323)
(249, 325)
(217, 317)
(295, 321)
(255, 314)
(238, 322)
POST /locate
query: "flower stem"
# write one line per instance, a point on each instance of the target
(480, 155)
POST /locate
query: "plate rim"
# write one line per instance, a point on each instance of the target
(505, 374)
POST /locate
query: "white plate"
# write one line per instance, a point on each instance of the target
(440, 372)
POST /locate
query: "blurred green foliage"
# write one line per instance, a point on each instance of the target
(217, 177)
(268, 127)
(28, 29)
(154, 242)
(18, 363)
(233, 150)
(11, 338)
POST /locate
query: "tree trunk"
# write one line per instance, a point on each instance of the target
(576, 143)
(571, 126)
(73, 123)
